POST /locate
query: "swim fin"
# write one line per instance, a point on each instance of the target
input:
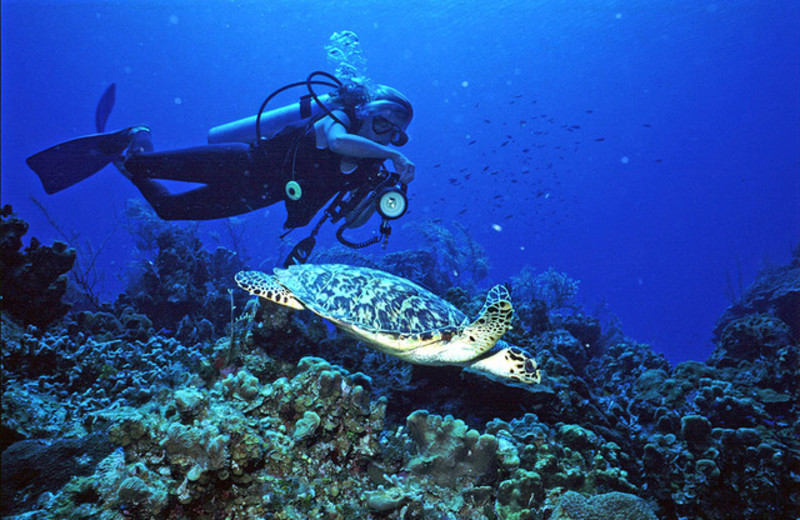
(104, 108)
(66, 164)
(300, 253)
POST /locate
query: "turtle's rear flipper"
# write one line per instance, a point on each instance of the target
(493, 321)
(265, 286)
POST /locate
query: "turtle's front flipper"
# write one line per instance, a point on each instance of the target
(266, 286)
(493, 321)
(508, 364)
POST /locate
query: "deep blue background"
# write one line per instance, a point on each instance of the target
(696, 180)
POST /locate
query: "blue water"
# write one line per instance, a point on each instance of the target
(649, 149)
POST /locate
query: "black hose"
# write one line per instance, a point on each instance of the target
(361, 206)
(355, 245)
(308, 82)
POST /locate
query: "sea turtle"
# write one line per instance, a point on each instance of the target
(400, 318)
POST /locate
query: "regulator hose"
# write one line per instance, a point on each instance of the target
(335, 84)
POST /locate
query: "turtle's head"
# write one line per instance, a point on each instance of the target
(507, 364)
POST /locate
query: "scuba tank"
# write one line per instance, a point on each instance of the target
(294, 115)
(311, 107)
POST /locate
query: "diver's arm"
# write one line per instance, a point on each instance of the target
(352, 145)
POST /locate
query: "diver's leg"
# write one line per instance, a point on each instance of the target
(203, 164)
(203, 203)
(234, 181)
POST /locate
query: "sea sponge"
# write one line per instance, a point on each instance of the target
(383, 501)
(243, 385)
(306, 427)
(450, 452)
(610, 506)
(577, 438)
(750, 337)
(190, 401)
(519, 496)
(133, 490)
(696, 430)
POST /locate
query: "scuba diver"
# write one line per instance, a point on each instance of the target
(323, 148)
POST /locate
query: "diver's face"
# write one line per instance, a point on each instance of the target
(385, 129)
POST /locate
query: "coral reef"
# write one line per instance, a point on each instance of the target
(33, 280)
(31, 468)
(452, 259)
(775, 292)
(182, 287)
(145, 409)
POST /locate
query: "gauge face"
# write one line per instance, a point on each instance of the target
(392, 204)
(293, 190)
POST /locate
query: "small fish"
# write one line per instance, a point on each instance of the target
(473, 142)
(600, 139)
(437, 165)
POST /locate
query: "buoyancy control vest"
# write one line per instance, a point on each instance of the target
(316, 172)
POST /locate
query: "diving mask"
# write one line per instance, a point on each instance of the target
(387, 116)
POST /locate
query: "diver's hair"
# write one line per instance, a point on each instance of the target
(385, 92)
(350, 96)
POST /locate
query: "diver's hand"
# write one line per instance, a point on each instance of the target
(404, 167)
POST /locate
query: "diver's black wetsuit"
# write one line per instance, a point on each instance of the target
(239, 178)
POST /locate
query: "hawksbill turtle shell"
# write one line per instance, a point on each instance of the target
(397, 316)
